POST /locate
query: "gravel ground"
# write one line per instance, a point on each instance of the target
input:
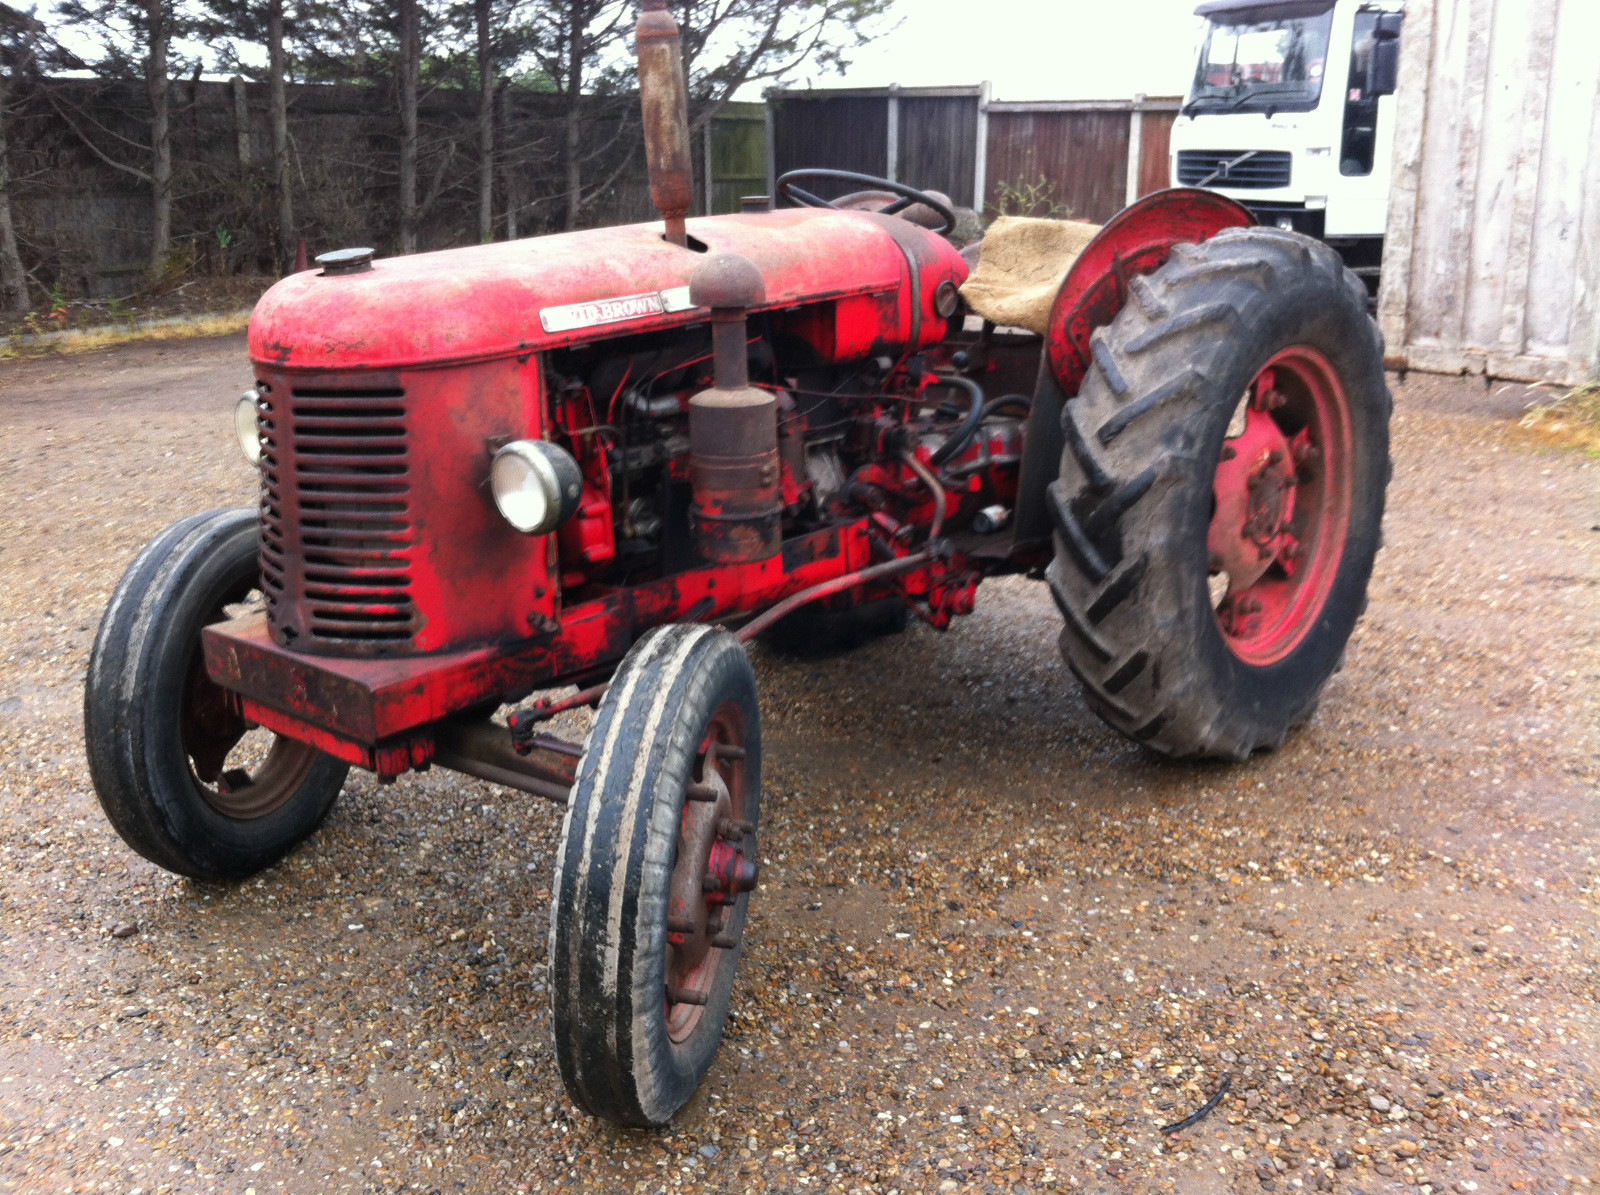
(996, 946)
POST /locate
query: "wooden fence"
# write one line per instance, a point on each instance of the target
(1086, 158)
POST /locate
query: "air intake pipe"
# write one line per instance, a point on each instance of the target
(737, 511)
(664, 99)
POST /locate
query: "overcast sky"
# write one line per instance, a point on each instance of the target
(1031, 49)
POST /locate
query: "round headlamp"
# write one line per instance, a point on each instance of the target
(245, 415)
(536, 485)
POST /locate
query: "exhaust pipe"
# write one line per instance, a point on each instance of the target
(664, 98)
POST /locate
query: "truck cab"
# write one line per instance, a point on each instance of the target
(1291, 112)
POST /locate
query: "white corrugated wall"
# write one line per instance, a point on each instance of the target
(1492, 262)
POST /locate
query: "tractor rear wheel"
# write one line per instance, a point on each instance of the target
(1221, 494)
(653, 880)
(183, 778)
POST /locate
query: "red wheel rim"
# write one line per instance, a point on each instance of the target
(714, 869)
(264, 775)
(1282, 495)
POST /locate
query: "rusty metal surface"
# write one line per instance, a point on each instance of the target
(369, 701)
(478, 747)
(485, 301)
(1136, 242)
(378, 532)
(716, 864)
(664, 104)
(733, 427)
(727, 282)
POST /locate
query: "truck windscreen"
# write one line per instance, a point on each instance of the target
(1276, 63)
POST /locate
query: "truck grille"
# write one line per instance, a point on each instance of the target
(1266, 168)
(336, 520)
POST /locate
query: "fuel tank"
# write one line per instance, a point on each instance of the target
(518, 297)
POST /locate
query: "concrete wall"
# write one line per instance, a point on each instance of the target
(1492, 262)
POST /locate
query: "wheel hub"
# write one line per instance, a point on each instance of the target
(1282, 503)
(716, 865)
(211, 729)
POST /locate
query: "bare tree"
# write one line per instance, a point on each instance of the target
(136, 41)
(268, 23)
(13, 278)
(408, 69)
(278, 101)
(158, 87)
(23, 43)
(572, 37)
(482, 12)
(729, 44)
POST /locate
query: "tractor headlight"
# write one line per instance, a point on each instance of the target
(536, 485)
(245, 426)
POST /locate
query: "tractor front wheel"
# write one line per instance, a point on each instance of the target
(653, 880)
(183, 778)
(1221, 494)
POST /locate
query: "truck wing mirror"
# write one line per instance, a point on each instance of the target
(1383, 67)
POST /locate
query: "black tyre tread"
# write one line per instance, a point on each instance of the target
(131, 636)
(607, 925)
(1139, 415)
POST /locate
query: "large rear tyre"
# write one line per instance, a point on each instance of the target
(183, 778)
(653, 881)
(1221, 494)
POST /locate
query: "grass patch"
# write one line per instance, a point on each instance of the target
(111, 335)
(1572, 421)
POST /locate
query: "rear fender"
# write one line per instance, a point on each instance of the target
(1138, 240)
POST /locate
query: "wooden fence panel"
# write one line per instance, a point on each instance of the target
(1155, 170)
(738, 158)
(1079, 158)
(939, 145)
(837, 132)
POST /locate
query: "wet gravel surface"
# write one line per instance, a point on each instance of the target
(996, 947)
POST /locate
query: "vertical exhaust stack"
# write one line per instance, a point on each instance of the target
(664, 98)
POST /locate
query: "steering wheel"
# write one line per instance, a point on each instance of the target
(908, 195)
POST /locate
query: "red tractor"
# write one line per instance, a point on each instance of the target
(574, 460)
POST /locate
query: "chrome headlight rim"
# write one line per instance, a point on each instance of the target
(536, 485)
(247, 425)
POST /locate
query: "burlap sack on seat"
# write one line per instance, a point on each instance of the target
(1021, 265)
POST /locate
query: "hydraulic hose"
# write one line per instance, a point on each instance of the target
(937, 490)
(962, 436)
(1010, 400)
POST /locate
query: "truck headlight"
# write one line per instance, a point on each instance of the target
(536, 485)
(245, 413)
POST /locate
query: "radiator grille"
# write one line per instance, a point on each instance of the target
(1265, 168)
(336, 519)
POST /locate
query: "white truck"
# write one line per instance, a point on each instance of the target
(1291, 113)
